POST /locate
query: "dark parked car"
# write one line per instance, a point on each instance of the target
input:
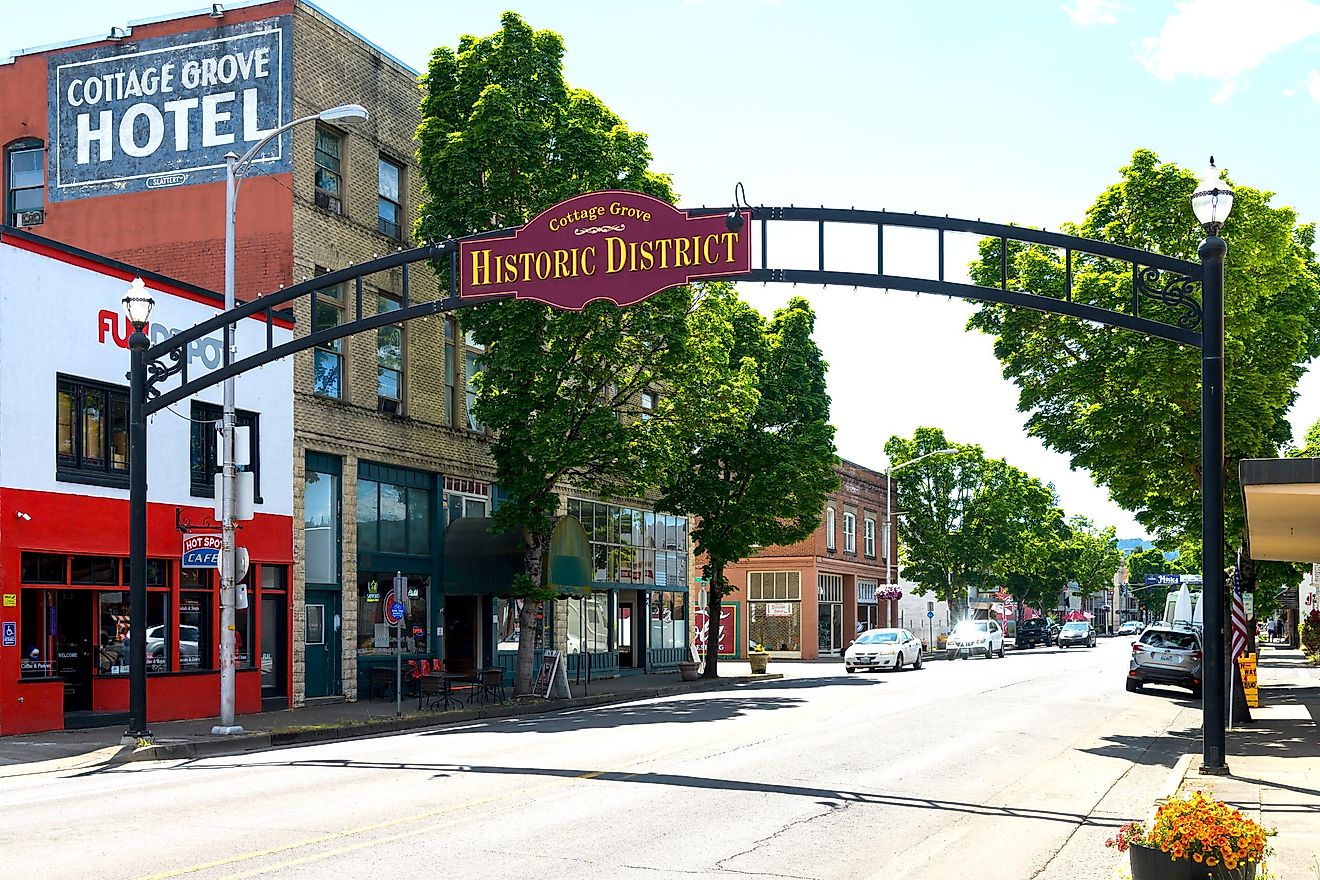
(1166, 655)
(1077, 632)
(1036, 631)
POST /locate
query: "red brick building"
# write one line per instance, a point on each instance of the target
(809, 599)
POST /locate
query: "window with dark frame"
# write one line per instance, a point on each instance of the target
(451, 408)
(648, 405)
(328, 357)
(203, 463)
(471, 366)
(25, 183)
(389, 209)
(389, 360)
(329, 170)
(91, 432)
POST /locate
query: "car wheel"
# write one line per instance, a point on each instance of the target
(951, 655)
(1001, 650)
(898, 663)
(916, 664)
(1196, 693)
(1133, 686)
(1092, 641)
(852, 669)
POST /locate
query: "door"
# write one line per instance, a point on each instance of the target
(623, 634)
(460, 633)
(274, 623)
(830, 628)
(321, 643)
(74, 657)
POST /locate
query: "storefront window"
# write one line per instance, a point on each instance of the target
(510, 626)
(632, 546)
(669, 620)
(393, 519)
(36, 639)
(374, 635)
(242, 635)
(113, 643)
(100, 570)
(587, 622)
(195, 628)
(44, 568)
(321, 527)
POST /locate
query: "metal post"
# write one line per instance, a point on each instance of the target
(889, 518)
(137, 540)
(227, 553)
(1212, 252)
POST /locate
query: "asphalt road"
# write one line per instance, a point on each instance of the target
(1014, 768)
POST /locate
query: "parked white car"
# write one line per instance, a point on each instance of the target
(883, 649)
(976, 637)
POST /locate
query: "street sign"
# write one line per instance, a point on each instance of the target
(393, 609)
(930, 615)
(11, 633)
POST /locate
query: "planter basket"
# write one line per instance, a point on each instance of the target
(1149, 863)
(687, 671)
(758, 659)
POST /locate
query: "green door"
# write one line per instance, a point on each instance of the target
(321, 643)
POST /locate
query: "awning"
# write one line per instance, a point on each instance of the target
(1282, 497)
(479, 561)
(568, 561)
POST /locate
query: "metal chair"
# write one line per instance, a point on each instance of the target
(492, 683)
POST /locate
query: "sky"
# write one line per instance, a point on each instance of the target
(1017, 112)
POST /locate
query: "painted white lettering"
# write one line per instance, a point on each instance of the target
(167, 77)
(133, 88)
(208, 73)
(92, 91)
(263, 62)
(191, 74)
(101, 134)
(212, 115)
(180, 110)
(251, 132)
(72, 101)
(155, 130)
(227, 70)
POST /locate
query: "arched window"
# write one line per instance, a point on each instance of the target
(25, 183)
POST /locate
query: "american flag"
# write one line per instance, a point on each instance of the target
(1239, 643)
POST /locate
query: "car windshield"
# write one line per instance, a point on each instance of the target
(973, 628)
(1074, 627)
(1033, 623)
(876, 636)
(1164, 638)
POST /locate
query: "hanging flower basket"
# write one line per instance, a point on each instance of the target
(889, 595)
(1194, 838)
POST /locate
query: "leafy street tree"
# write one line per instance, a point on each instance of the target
(1036, 574)
(1127, 409)
(503, 137)
(1095, 557)
(757, 477)
(1024, 535)
(1153, 560)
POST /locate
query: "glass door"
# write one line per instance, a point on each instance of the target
(830, 639)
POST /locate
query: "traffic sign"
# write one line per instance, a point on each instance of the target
(393, 609)
(930, 615)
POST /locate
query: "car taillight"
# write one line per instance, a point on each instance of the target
(1196, 655)
(1137, 647)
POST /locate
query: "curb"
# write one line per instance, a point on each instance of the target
(256, 742)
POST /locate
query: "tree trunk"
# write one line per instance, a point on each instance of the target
(715, 594)
(533, 560)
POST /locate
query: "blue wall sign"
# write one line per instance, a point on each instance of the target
(11, 634)
(164, 112)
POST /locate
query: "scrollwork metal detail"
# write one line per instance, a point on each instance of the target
(1174, 291)
(158, 372)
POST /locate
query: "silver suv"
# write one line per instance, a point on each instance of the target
(1166, 655)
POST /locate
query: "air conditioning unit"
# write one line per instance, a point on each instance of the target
(389, 405)
(29, 218)
(328, 202)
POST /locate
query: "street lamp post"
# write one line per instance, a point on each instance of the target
(137, 307)
(1211, 202)
(890, 531)
(234, 168)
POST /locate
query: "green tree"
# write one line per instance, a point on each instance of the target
(1036, 573)
(1095, 557)
(503, 137)
(1154, 560)
(1127, 409)
(759, 476)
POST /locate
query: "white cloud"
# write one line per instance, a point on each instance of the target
(1313, 85)
(1089, 12)
(1224, 39)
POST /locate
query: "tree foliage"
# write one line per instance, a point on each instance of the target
(761, 474)
(1127, 408)
(503, 137)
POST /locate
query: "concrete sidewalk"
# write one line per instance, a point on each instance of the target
(54, 751)
(1274, 762)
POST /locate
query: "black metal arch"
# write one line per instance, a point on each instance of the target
(1155, 277)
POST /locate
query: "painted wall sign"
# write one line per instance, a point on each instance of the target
(201, 550)
(162, 112)
(617, 246)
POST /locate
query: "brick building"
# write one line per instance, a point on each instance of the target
(809, 599)
(117, 146)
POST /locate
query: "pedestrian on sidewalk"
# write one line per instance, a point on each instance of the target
(1271, 627)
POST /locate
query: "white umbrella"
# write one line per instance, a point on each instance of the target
(1196, 612)
(1182, 608)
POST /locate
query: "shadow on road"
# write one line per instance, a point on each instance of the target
(1163, 750)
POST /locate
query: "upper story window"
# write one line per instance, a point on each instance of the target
(393, 519)
(850, 533)
(25, 183)
(868, 536)
(829, 528)
(472, 366)
(389, 360)
(451, 334)
(91, 432)
(389, 211)
(328, 357)
(204, 456)
(648, 405)
(329, 170)
(464, 497)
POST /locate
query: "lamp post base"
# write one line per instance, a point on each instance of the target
(132, 739)
(226, 730)
(1207, 770)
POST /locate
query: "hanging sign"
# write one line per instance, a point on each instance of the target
(779, 609)
(201, 550)
(147, 114)
(617, 246)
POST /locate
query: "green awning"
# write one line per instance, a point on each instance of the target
(568, 561)
(479, 561)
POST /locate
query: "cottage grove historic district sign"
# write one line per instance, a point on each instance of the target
(612, 245)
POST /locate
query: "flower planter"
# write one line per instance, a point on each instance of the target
(1149, 863)
(687, 671)
(758, 659)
